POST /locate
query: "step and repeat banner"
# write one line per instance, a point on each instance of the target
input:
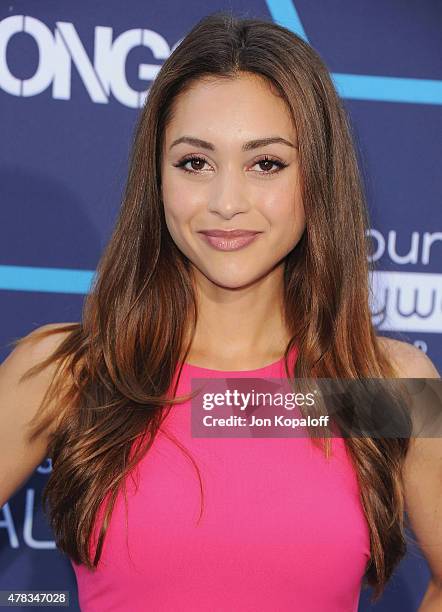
(73, 76)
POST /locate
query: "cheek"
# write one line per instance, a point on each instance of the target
(179, 202)
(174, 221)
(178, 215)
(285, 214)
(174, 203)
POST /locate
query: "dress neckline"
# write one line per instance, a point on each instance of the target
(270, 367)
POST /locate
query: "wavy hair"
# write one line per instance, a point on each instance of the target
(138, 320)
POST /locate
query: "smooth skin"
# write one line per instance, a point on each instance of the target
(239, 292)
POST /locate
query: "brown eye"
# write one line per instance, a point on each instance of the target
(196, 163)
(266, 164)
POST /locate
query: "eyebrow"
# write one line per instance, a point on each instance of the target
(247, 146)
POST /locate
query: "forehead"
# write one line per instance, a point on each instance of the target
(244, 106)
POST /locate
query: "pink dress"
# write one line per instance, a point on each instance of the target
(282, 528)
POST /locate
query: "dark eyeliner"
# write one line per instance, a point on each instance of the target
(280, 165)
(184, 161)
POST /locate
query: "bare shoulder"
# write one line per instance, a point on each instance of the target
(30, 351)
(409, 360)
(20, 401)
(422, 467)
(33, 348)
(43, 341)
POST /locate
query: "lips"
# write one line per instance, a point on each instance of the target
(232, 240)
(238, 233)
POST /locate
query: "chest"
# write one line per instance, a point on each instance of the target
(265, 493)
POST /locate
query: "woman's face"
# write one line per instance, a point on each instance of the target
(229, 184)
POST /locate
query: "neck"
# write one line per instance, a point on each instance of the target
(239, 328)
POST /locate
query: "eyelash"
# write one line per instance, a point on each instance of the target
(266, 158)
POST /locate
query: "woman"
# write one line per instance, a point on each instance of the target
(242, 131)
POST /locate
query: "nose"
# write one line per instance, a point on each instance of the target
(229, 194)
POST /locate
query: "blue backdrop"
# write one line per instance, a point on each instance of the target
(72, 77)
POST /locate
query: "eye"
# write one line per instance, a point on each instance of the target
(200, 161)
(266, 160)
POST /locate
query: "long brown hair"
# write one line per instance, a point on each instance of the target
(121, 358)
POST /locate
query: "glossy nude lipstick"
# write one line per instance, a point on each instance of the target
(229, 240)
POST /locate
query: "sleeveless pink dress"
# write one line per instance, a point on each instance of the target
(282, 527)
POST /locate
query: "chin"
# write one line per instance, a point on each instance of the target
(232, 281)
